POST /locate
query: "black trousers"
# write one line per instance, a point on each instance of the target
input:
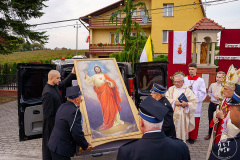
(56, 156)
(211, 109)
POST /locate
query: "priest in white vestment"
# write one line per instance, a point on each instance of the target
(183, 116)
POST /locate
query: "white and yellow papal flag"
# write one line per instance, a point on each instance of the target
(146, 55)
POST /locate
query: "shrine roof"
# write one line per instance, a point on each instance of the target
(206, 24)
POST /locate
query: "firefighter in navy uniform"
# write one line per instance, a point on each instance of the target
(67, 131)
(157, 92)
(230, 148)
(154, 144)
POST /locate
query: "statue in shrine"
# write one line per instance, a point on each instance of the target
(204, 50)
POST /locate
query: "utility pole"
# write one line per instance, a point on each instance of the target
(77, 26)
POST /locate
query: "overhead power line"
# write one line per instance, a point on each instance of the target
(209, 3)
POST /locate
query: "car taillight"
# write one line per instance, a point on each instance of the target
(130, 82)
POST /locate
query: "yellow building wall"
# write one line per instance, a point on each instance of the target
(102, 35)
(182, 20)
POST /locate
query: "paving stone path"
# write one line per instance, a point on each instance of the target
(12, 149)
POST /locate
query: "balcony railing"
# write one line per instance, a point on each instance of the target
(104, 22)
(105, 49)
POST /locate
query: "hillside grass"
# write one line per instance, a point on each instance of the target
(29, 56)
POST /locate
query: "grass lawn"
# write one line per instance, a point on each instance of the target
(4, 99)
(30, 56)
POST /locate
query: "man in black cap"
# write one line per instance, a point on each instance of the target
(51, 101)
(67, 131)
(154, 144)
(158, 93)
(229, 148)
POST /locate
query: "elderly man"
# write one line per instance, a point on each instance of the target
(229, 148)
(183, 116)
(51, 99)
(154, 144)
(67, 131)
(197, 85)
(158, 93)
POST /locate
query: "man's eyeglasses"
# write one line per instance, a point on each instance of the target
(177, 82)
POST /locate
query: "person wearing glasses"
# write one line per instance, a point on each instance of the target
(184, 110)
(158, 93)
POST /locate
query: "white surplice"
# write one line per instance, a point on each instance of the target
(183, 118)
(199, 89)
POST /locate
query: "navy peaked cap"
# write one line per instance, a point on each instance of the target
(152, 110)
(73, 92)
(158, 88)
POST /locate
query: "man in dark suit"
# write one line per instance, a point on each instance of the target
(157, 92)
(229, 148)
(67, 131)
(154, 144)
(51, 99)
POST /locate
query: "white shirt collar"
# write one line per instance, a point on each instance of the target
(153, 131)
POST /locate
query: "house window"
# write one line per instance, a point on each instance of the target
(142, 13)
(143, 33)
(133, 34)
(114, 38)
(134, 13)
(165, 36)
(167, 10)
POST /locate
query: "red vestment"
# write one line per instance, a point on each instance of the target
(110, 102)
(218, 127)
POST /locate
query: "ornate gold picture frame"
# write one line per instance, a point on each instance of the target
(108, 112)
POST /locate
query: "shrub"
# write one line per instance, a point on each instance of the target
(161, 57)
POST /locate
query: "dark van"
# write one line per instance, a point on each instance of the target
(33, 77)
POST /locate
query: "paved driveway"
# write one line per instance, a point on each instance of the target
(12, 149)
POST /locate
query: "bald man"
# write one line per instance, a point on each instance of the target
(52, 99)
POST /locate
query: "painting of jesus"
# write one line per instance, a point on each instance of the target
(109, 112)
(108, 96)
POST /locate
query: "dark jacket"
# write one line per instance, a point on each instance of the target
(154, 146)
(51, 99)
(228, 149)
(63, 140)
(168, 126)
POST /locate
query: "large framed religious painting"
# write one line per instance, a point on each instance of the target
(108, 112)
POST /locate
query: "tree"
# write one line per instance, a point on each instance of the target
(26, 46)
(133, 45)
(37, 46)
(13, 25)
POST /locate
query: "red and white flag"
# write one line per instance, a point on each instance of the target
(179, 52)
(87, 39)
(179, 47)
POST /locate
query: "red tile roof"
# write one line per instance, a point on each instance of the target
(206, 24)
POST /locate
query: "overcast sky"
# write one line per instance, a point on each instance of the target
(226, 14)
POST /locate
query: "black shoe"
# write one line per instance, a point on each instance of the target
(191, 141)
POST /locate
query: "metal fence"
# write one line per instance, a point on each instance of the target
(8, 77)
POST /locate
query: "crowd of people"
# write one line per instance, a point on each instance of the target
(167, 118)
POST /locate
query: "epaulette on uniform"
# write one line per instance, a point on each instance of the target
(130, 142)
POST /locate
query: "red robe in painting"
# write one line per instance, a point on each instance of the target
(110, 102)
